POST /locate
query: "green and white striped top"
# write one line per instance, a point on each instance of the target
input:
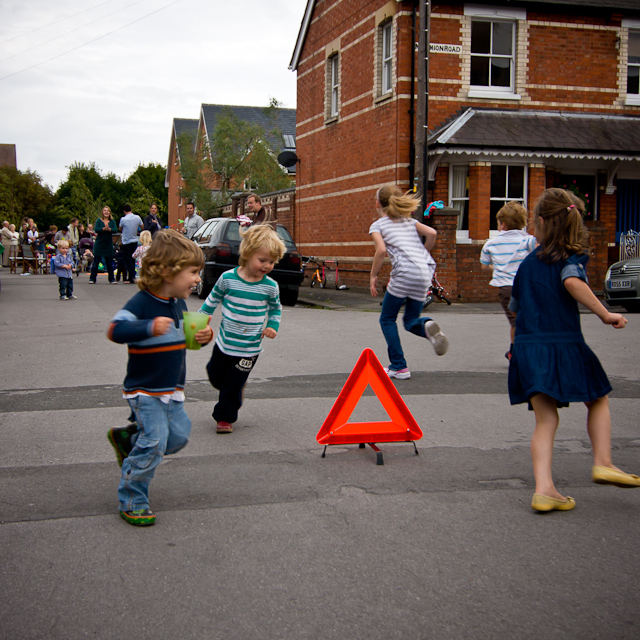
(245, 307)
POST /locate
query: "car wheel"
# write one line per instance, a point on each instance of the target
(289, 295)
(203, 288)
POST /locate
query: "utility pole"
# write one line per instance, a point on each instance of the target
(422, 116)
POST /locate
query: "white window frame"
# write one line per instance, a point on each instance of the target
(525, 188)
(493, 89)
(462, 235)
(333, 77)
(386, 66)
(632, 98)
(476, 12)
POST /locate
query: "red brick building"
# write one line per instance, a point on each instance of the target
(523, 95)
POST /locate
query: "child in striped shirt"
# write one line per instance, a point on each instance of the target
(249, 300)
(398, 235)
(503, 255)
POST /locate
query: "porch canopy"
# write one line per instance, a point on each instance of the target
(536, 136)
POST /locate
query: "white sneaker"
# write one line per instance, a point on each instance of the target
(63, 298)
(72, 297)
(439, 341)
(401, 374)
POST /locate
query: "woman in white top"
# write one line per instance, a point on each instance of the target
(396, 234)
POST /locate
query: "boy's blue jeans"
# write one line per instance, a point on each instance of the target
(411, 320)
(163, 428)
(66, 286)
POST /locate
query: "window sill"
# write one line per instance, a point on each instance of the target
(493, 95)
(633, 100)
(462, 236)
(383, 98)
(331, 120)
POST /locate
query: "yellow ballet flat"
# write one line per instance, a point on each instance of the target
(605, 475)
(545, 503)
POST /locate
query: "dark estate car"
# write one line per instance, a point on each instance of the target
(622, 284)
(219, 239)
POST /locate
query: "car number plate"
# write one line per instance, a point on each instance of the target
(620, 284)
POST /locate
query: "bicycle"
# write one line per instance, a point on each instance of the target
(316, 276)
(436, 290)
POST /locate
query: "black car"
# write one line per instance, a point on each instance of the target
(219, 239)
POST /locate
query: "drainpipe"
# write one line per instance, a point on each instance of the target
(422, 116)
(412, 111)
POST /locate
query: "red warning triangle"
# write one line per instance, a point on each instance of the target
(337, 429)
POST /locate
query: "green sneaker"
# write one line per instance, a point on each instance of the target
(120, 439)
(139, 517)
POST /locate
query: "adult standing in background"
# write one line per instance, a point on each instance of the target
(6, 242)
(261, 215)
(103, 246)
(152, 222)
(192, 222)
(130, 225)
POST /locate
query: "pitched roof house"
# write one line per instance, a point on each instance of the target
(203, 127)
(522, 95)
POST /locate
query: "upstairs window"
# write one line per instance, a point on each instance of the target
(633, 64)
(492, 55)
(386, 72)
(333, 86)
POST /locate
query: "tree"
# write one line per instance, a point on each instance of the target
(22, 194)
(238, 155)
(152, 177)
(196, 172)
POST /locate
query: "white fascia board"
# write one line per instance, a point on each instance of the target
(302, 35)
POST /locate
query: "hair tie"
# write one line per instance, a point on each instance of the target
(571, 206)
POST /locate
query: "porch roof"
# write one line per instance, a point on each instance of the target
(530, 133)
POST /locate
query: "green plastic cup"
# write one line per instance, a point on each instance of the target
(194, 322)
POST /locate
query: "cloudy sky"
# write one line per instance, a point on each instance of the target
(101, 80)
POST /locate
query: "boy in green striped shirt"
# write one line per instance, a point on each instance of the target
(249, 298)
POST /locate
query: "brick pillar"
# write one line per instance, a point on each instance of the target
(598, 255)
(479, 199)
(537, 184)
(445, 222)
(441, 191)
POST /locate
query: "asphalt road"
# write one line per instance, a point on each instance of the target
(258, 536)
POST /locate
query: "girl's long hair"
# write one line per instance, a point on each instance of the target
(559, 226)
(396, 205)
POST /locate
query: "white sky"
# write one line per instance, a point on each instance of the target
(101, 80)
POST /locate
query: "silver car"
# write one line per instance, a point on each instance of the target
(622, 284)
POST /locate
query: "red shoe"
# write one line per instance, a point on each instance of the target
(224, 427)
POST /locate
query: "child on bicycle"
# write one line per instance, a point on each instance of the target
(551, 364)
(396, 234)
(251, 311)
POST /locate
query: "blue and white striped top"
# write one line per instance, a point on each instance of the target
(245, 307)
(506, 252)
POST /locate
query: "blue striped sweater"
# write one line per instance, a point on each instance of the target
(157, 364)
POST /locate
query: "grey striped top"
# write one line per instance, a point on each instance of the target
(412, 266)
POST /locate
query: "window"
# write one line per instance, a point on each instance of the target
(492, 55)
(333, 86)
(386, 74)
(633, 64)
(507, 183)
(459, 181)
